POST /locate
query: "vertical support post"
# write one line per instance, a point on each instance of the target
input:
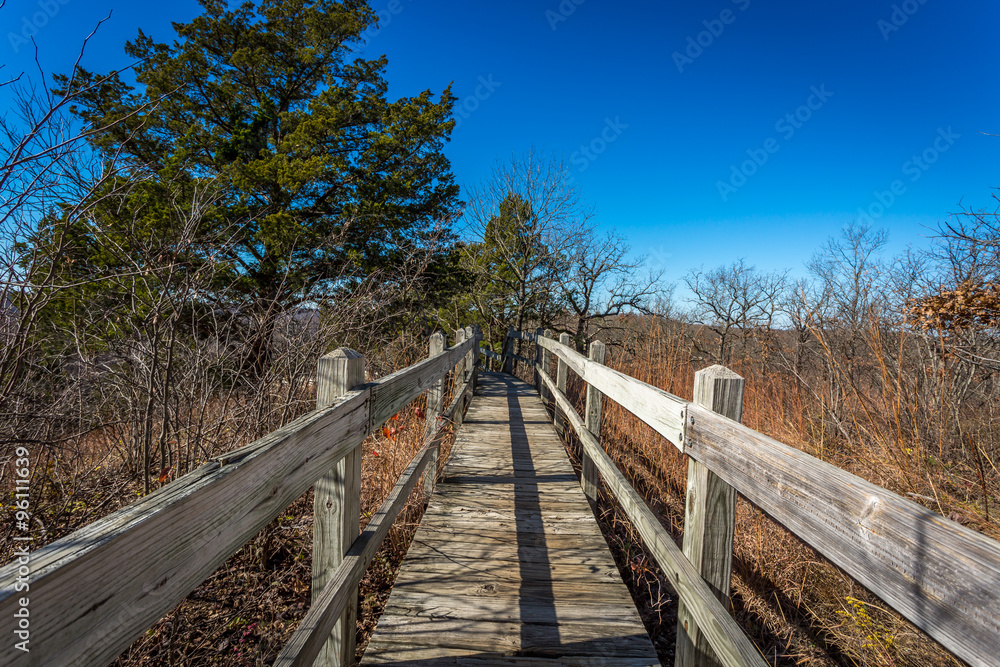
(337, 505)
(470, 358)
(588, 474)
(561, 372)
(508, 352)
(543, 389)
(709, 516)
(435, 398)
(478, 334)
(538, 360)
(459, 377)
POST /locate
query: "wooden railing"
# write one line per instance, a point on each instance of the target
(95, 591)
(940, 575)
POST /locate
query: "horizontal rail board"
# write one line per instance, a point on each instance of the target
(490, 353)
(732, 647)
(661, 410)
(942, 576)
(394, 391)
(94, 591)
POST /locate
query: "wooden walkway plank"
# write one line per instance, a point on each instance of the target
(509, 566)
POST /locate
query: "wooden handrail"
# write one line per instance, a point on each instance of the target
(940, 575)
(722, 632)
(94, 591)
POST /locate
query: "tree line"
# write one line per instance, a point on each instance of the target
(183, 238)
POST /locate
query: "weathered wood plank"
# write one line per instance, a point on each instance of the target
(309, 637)
(337, 504)
(662, 411)
(435, 398)
(96, 590)
(558, 420)
(592, 420)
(725, 636)
(943, 577)
(394, 391)
(500, 567)
(709, 517)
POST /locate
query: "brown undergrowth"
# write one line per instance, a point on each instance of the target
(247, 610)
(796, 606)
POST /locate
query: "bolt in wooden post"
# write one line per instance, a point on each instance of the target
(508, 351)
(543, 389)
(538, 360)
(459, 377)
(709, 516)
(588, 473)
(337, 505)
(561, 372)
(435, 398)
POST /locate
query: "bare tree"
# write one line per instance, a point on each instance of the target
(852, 274)
(735, 299)
(600, 281)
(523, 219)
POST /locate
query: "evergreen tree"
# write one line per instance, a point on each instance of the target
(317, 178)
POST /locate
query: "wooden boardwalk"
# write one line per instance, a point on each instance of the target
(508, 565)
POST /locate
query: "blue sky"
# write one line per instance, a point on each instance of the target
(704, 132)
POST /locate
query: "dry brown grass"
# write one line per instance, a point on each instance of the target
(245, 612)
(796, 606)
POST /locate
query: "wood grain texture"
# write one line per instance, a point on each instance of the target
(508, 563)
(538, 360)
(562, 375)
(592, 420)
(309, 637)
(391, 393)
(663, 411)
(435, 398)
(337, 504)
(94, 591)
(942, 576)
(709, 517)
(725, 637)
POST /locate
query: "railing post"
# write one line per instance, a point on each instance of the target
(543, 389)
(559, 421)
(709, 516)
(435, 398)
(337, 505)
(459, 376)
(470, 357)
(508, 351)
(478, 334)
(588, 472)
(538, 360)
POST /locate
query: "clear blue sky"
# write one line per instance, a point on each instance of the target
(688, 93)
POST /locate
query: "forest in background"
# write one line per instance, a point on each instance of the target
(183, 240)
